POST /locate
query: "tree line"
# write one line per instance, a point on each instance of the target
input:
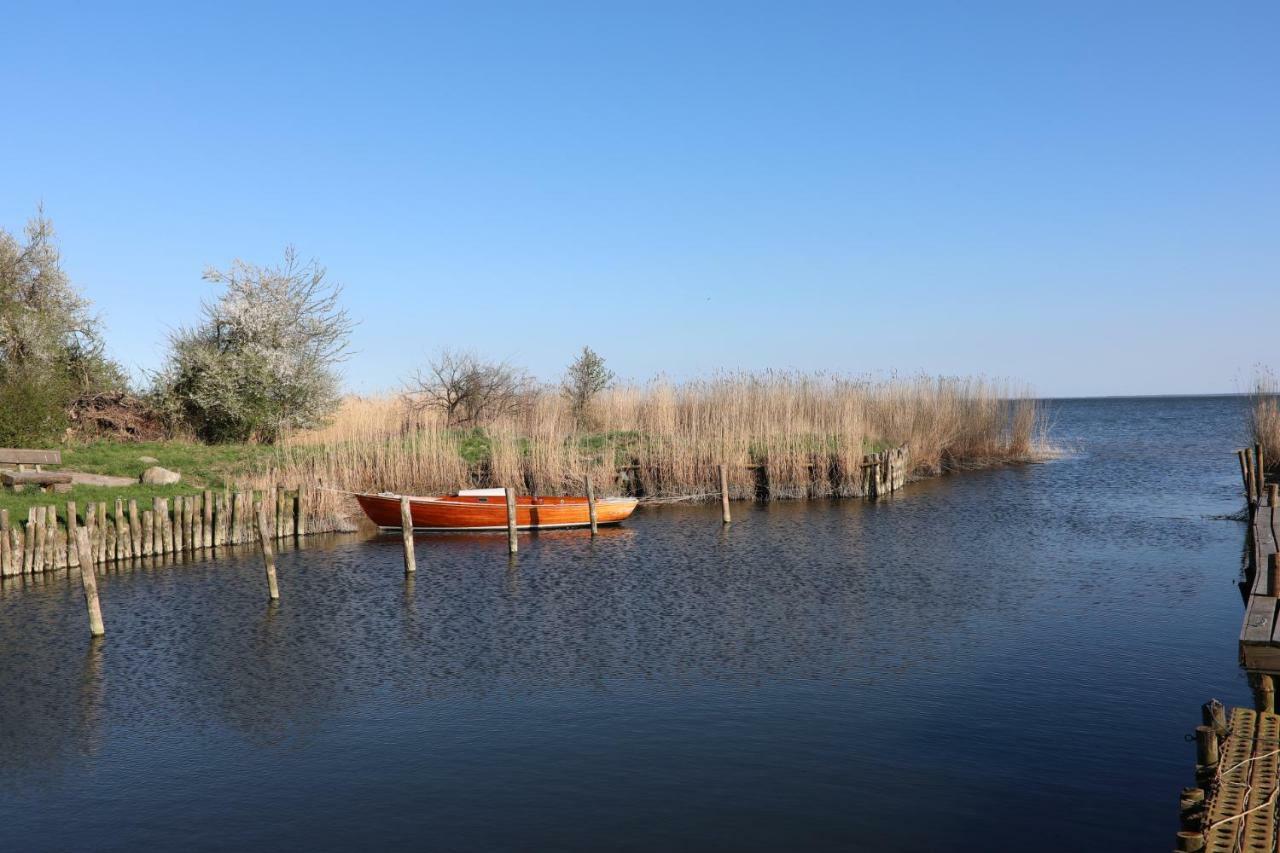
(261, 359)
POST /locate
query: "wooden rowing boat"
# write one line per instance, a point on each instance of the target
(486, 509)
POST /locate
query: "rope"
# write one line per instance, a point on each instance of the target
(1269, 801)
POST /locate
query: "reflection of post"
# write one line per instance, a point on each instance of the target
(406, 531)
(90, 582)
(511, 521)
(268, 553)
(91, 695)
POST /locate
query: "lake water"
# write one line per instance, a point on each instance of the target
(1000, 660)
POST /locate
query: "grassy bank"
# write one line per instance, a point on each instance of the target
(202, 466)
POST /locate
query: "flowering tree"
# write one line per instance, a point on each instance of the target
(263, 359)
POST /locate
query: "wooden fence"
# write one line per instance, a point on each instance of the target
(187, 524)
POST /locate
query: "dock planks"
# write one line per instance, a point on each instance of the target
(1240, 802)
(1259, 635)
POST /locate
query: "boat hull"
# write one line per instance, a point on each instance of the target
(479, 513)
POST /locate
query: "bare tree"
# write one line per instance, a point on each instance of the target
(468, 389)
(586, 377)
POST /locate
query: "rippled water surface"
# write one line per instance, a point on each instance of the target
(998, 660)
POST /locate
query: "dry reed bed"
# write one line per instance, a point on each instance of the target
(788, 436)
(1264, 418)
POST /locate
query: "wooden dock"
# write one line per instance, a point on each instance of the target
(1260, 635)
(1233, 805)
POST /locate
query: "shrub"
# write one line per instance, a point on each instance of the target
(263, 359)
(51, 347)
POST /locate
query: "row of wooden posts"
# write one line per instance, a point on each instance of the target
(214, 519)
(190, 524)
(888, 473)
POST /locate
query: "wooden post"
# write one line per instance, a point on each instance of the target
(123, 540)
(109, 540)
(237, 517)
(1206, 746)
(219, 520)
(268, 552)
(6, 552)
(157, 527)
(1189, 841)
(148, 532)
(206, 520)
(1241, 456)
(1273, 574)
(406, 531)
(16, 558)
(300, 523)
(1214, 715)
(102, 532)
(724, 495)
(29, 542)
(1261, 478)
(42, 534)
(591, 505)
(89, 580)
(511, 521)
(51, 539)
(1266, 694)
(181, 523)
(1250, 488)
(135, 529)
(72, 535)
(278, 493)
(169, 538)
(189, 517)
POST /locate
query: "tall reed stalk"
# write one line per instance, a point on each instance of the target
(782, 435)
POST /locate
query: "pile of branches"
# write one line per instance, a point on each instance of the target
(118, 415)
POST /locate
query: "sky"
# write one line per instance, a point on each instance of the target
(1083, 197)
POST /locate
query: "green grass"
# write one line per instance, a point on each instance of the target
(202, 467)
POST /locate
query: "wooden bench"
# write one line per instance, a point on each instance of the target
(21, 478)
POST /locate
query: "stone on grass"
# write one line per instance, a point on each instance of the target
(157, 476)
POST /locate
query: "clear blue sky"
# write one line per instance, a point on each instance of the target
(1084, 196)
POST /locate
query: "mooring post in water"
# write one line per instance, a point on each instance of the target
(512, 545)
(1264, 697)
(591, 505)
(1273, 574)
(1251, 490)
(300, 522)
(1206, 747)
(724, 495)
(1244, 469)
(1214, 714)
(268, 554)
(1191, 808)
(90, 582)
(1261, 479)
(406, 531)
(1190, 841)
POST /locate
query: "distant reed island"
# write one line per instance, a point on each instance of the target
(780, 436)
